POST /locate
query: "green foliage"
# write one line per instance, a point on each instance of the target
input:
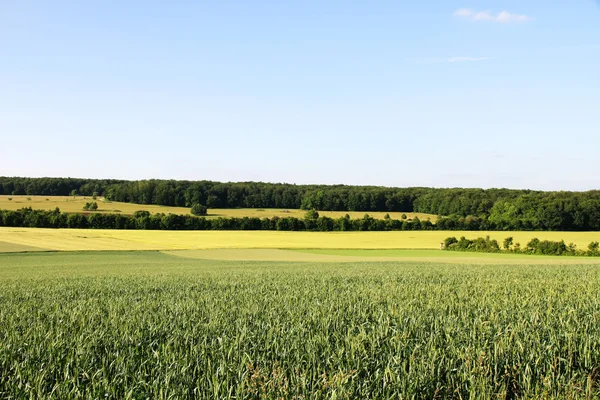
(141, 214)
(404, 216)
(95, 195)
(198, 209)
(146, 325)
(485, 245)
(10, 199)
(449, 242)
(535, 246)
(311, 215)
(91, 206)
(468, 209)
(594, 249)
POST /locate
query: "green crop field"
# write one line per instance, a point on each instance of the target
(76, 203)
(125, 325)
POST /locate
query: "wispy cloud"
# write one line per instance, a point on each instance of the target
(440, 60)
(467, 59)
(486, 16)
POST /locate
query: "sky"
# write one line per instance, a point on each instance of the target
(442, 93)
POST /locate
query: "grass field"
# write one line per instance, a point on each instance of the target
(75, 204)
(91, 239)
(150, 325)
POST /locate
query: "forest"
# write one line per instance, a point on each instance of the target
(499, 209)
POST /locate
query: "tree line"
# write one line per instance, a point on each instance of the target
(501, 209)
(534, 246)
(30, 218)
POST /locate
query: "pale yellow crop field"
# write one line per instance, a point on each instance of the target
(282, 213)
(75, 204)
(90, 239)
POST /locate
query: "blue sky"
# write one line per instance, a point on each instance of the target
(439, 93)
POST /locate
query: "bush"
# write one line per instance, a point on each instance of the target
(449, 242)
(199, 209)
(141, 214)
(594, 249)
(93, 206)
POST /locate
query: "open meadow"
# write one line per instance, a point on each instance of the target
(153, 325)
(76, 204)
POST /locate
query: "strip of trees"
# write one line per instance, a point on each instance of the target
(500, 209)
(27, 217)
(534, 246)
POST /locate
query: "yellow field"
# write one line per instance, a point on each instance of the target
(271, 212)
(90, 239)
(75, 204)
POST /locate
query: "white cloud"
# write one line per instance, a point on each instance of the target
(502, 17)
(467, 59)
(463, 12)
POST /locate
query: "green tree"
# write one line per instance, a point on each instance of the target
(199, 209)
(508, 242)
(92, 206)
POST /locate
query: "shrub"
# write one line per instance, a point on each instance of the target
(141, 214)
(449, 242)
(594, 249)
(93, 206)
(199, 209)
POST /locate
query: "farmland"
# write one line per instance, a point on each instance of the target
(107, 239)
(154, 325)
(76, 203)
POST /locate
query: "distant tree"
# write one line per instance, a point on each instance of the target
(10, 199)
(199, 209)
(449, 242)
(594, 249)
(95, 195)
(508, 242)
(311, 215)
(404, 216)
(93, 206)
(310, 219)
(74, 192)
(141, 214)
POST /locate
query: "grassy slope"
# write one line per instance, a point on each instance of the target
(147, 325)
(90, 239)
(75, 204)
